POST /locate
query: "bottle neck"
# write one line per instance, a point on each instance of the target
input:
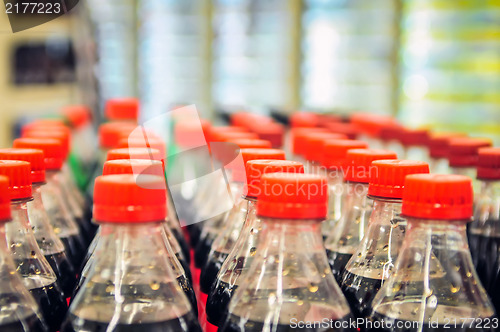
(438, 234)
(37, 202)
(4, 250)
(285, 234)
(386, 211)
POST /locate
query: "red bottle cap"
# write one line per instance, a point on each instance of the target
(62, 136)
(248, 143)
(314, 144)
(4, 199)
(227, 136)
(110, 133)
(151, 142)
(245, 119)
(335, 152)
(273, 132)
(190, 133)
(53, 150)
(391, 132)
(239, 174)
(414, 137)
(44, 124)
(488, 165)
(133, 166)
(77, 115)
(371, 124)
(358, 166)
(19, 174)
(256, 168)
(216, 131)
(438, 196)
(303, 119)
(439, 144)
(293, 196)
(299, 138)
(463, 151)
(387, 178)
(342, 128)
(33, 156)
(122, 109)
(125, 198)
(134, 153)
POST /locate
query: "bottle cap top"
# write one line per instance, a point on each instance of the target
(19, 174)
(62, 136)
(488, 165)
(314, 144)
(110, 133)
(387, 178)
(227, 136)
(215, 132)
(239, 174)
(439, 144)
(335, 152)
(358, 166)
(391, 132)
(134, 153)
(371, 124)
(77, 115)
(133, 166)
(122, 109)
(151, 143)
(299, 138)
(126, 198)
(245, 119)
(414, 137)
(303, 119)
(438, 196)
(256, 168)
(33, 156)
(463, 150)
(248, 143)
(53, 150)
(342, 128)
(4, 199)
(273, 132)
(191, 133)
(293, 196)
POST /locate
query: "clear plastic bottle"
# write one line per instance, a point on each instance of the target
(289, 279)
(242, 251)
(35, 271)
(334, 158)
(18, 309)
(373, 261)
(434, 282)
(462, 157)
(61, 219)
(484, 231)
(345, 237)
(224, 239)
(49, 243)
(131, 286)
(314, 150)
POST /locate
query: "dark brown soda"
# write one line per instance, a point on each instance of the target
(75, 249)
(359, 292)
(185, 323)
(64, 270)
(28, 324)
(337, 262)
(221, 293)
(488, 255)
(209, 272)
(203, 250)
(52, 304)
(185, 266)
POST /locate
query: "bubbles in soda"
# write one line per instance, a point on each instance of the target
(337, 261)
(153, 314)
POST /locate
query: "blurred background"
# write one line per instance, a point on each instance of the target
(430, 63)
